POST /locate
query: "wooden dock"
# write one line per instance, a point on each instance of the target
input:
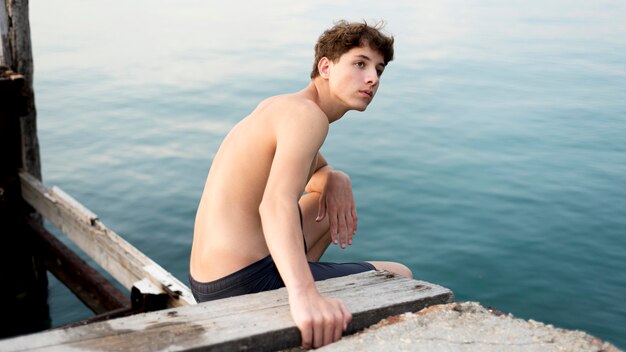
(257, 322)
(161, 313)
(253, 322)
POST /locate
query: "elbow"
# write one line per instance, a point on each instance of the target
(264, 208)
(267, 207)
(271, 206)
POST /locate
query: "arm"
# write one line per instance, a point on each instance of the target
(321, 320)
(336, 201)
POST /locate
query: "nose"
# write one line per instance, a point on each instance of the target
(372, 77)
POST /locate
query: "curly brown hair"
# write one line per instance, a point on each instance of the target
(344, 36)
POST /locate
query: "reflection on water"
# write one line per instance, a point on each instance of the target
(491, 161)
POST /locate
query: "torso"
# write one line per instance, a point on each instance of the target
(228, 233)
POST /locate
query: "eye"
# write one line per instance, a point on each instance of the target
(359, 64)
(379, 72)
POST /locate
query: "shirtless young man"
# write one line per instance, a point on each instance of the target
(254, 229)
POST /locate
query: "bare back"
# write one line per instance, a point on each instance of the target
(228, 232)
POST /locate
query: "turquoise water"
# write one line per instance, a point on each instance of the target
(492, 160)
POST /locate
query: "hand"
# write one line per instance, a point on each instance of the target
(337, 202)
(321, 320)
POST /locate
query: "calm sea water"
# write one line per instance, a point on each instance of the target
(492, 161)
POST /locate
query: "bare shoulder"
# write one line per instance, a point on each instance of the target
(294, 110)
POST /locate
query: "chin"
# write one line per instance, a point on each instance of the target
(357, 105)
(361, 108)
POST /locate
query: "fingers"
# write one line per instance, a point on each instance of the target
(318, 333)
(347, 316)
(344, 319)
(342, 219)
(324, 324)
(343, 227)
(333, 323)
(342, 230)
(354, 225)
(351, 225)
(306, 332)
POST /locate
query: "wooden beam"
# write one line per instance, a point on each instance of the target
(115, 255)
(252, 323)
(95, 291)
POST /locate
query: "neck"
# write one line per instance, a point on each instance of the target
(318, 91)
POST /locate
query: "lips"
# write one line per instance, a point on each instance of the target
(369, 93)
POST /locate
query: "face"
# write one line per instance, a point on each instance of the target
(355, 77)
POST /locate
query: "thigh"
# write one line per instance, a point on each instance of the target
(323, 270)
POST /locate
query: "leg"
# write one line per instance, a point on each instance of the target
(317, 234)
(393, 267)
(318, 239)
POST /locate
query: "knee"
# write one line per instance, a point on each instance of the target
(396, 268)
(404, 271)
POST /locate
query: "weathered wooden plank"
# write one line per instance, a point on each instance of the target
(95, 291)
(118, 257)
(253, 322)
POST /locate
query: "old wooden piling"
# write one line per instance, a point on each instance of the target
(23, 276)
(16, 54)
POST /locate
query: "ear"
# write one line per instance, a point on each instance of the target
(323, 66)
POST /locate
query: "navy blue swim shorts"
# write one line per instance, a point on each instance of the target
(263, 276)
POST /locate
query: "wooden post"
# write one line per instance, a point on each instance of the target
(23, 276)
(16, 54)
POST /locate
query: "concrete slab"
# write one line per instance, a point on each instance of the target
(466, 326)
